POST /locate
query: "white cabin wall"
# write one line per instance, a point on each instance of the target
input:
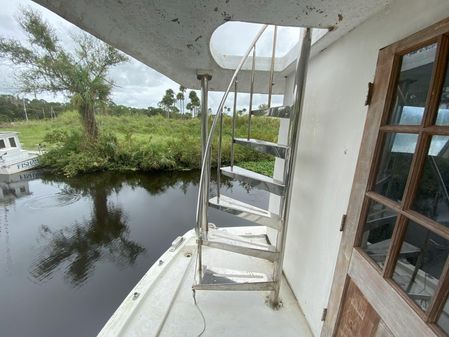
(331, 131)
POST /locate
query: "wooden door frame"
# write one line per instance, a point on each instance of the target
(350, 262)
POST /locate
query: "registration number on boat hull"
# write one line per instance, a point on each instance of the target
(27, 164)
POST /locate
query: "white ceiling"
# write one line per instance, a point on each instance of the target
(173, 36)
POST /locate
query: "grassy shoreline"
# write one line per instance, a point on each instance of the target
(137, 143)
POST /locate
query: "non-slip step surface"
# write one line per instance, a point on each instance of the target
(277, 111)
(254, 179)
(220, 239)
(215, 278)
(246, 211)
(263, 146)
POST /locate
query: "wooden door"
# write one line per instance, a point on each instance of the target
(358, 318)
(392, 273)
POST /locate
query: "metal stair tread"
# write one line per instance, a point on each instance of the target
(220, 235)
(220, 239)
(256, 180)
(215, 278)
(277, 111)
(274, 149)
(246, 211)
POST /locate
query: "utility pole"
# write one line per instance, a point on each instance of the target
(43, 112)
(25, 109)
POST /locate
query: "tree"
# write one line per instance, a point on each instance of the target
(151, 111)
(181, 98)
(194, 102)
(45, 66)
(189, 107)
(168, 101)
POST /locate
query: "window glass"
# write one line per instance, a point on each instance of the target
(377, 231)
(443, 110)
(2, 144)
(432, 197)
(395, 161)
(12, 142)
(420, 263)
(412, 86)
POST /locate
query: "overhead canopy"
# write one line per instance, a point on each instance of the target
(173, 37)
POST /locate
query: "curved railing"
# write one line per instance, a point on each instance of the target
(202, 203)
(289, 160)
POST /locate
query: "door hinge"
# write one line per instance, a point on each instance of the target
(343, 223)
(369, 95)
(323, 315)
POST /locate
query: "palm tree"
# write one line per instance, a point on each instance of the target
(180, 99)
(183, 90)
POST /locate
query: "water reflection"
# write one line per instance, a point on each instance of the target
(87, 241)
(14, 186)
(104, 236)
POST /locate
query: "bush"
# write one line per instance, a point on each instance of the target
(143, 143)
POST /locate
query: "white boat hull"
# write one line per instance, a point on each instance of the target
(161, 304)
(19, 165)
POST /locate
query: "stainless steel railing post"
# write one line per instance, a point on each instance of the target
(273, 57)
(253, 69)
(290, 160)
(220, 137)
(203, 223)
(234, 116)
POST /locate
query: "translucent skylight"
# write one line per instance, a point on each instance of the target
(233, 39)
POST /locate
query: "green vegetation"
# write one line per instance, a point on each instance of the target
(47, 66)
(99, 135)
(137, 142)
(265, 166)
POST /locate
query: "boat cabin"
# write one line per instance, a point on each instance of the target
(357, 231)
(9, 141)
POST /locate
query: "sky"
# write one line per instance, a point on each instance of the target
(136, 84)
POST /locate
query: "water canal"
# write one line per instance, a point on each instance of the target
(72, 249)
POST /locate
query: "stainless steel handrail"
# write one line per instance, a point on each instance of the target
(202, 202)
(290, 160)
(273, 58)
(251, 91)
(234, 116)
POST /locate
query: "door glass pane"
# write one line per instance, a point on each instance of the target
(443, 110)
(12, 142)
(377, 231)
(412, 86)
(432, 197)
(394, 166)
(443, 321)
(2, 144)
(420, 263)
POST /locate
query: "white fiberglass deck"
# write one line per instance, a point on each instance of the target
(162, 304)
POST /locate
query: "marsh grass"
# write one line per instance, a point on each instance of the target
(138, 142)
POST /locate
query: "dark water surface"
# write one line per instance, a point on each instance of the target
(72, 249)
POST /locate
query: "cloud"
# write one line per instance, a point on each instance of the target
(137, 85)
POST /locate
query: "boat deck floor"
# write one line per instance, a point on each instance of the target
(162, 303)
